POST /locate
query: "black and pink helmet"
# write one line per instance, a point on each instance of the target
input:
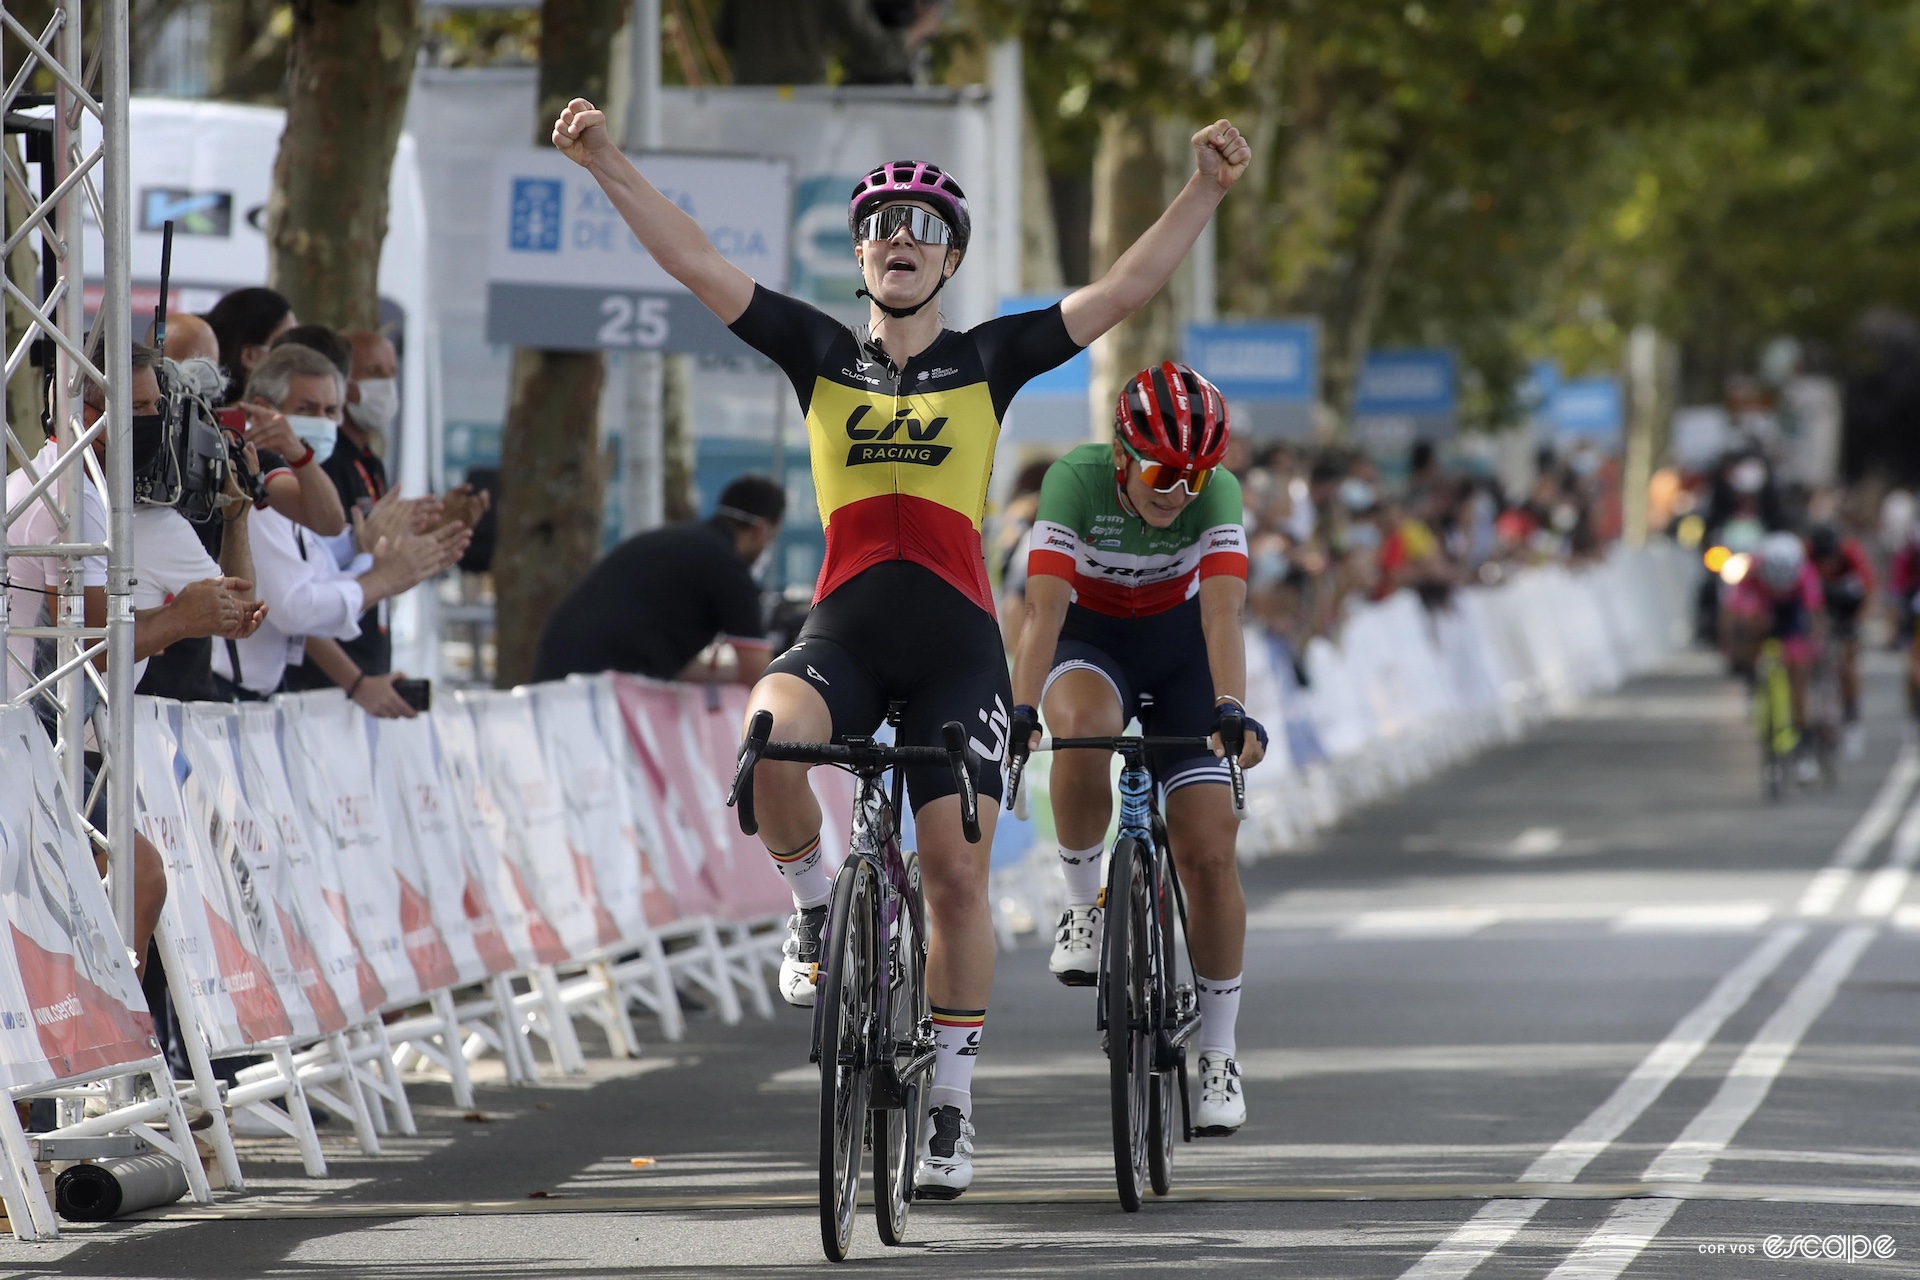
(912, 180)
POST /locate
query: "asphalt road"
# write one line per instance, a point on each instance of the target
(1584, 1007)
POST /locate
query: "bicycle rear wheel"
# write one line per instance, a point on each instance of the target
(846, 1032)
(896, 1134)
(1124, 984)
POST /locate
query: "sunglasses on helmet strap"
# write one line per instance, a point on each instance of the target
(1162, 478)
(924, 227)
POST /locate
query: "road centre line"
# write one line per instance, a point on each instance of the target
(1274, 1193)
(1489, 1230)
(1630, 1228)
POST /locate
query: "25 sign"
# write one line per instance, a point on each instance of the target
(640, 323)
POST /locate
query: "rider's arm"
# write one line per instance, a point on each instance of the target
(1223, 606)
(1046, 612)
(1220, 157)
(674, 239)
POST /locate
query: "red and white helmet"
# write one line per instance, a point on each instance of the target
(1171, 415)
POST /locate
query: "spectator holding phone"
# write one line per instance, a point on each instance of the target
(314, 603)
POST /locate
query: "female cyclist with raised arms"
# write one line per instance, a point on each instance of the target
(902, 416)
(1136, 582)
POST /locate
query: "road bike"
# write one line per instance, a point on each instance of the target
(872, 1025)
(1146, 1010)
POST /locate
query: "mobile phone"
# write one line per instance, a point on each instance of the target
(233, 419)
(417, 694)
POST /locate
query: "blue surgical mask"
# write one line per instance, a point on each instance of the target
(317, 433)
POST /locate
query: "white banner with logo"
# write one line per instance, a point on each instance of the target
(69, 1002)
(428, 839)
(516, 910)
(246, 842)
(228, 985)
(323, 736)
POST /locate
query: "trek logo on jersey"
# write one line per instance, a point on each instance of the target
(878, 444)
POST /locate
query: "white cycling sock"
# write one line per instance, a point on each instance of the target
(956, 1035)
(1081, 867)
(806, 874)
(1219, 1010)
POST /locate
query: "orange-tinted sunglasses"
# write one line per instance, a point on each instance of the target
(1162, 478)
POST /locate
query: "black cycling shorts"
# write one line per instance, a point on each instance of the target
(898, 633)
(1163, 656)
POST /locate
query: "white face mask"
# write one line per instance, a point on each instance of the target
(379, 403)
(315, 432)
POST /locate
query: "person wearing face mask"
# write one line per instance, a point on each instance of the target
(313, 602)
(656, 601)
(243, 326)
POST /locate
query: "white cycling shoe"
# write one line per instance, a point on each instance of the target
(800, 956)
(946, 1155)
(1223, 1107)
(1076, 947)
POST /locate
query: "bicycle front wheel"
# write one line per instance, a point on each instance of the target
(1161, 1127)
(896, 1134)
(1125, 978)
(846, 1032)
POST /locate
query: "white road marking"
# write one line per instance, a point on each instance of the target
(1632, 1226)
(1421, 922)
(1483, 1235)
(1695, 917)
(1537, 842)
(1489, 1230)
(1828, 884)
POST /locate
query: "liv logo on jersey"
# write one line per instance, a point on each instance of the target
(878, 444)
(999, 726)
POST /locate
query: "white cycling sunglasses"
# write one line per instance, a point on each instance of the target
(884, 224)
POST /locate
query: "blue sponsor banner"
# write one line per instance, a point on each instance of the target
(1411, 382)
(1071, 378)
(1592, 408)
(1277, 361)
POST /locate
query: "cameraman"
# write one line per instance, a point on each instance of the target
(314, 602)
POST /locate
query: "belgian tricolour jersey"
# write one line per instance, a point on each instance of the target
(901, 457)
(1118, 563)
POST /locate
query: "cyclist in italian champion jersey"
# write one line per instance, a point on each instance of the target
(902, 417)
(1136, 585)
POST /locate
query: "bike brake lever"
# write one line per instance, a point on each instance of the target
(958, 756)
(759, 729)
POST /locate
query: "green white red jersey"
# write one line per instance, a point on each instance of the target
(1088, 533)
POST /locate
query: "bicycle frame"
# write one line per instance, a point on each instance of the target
(1174, 1026)
(876, 841)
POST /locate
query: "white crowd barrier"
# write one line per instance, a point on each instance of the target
(349, 899)
(1403, 692)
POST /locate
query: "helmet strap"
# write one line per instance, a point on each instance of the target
(901, 313)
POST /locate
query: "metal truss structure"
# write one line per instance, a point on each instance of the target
(66, 164)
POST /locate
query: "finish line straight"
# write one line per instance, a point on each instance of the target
(1489, 1230)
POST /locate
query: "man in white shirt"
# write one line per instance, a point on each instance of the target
(312, 602)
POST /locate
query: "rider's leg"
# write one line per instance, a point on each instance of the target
(1202, 829)
(960, 942)
(1799, 668)
(783, 800)
(1849, 658)
(1082, 703)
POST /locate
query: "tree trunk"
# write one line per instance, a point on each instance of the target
(1039, 232)
(1378, 248)
(1304, 244)
(676, 439)
(1128, 195)
(1250, 216)
(246, 49)
(552, 492)
(350, 68)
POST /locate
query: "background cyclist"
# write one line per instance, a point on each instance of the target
(902, 417)
(1779, 598)
(1846, 582)
(1136, 584)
